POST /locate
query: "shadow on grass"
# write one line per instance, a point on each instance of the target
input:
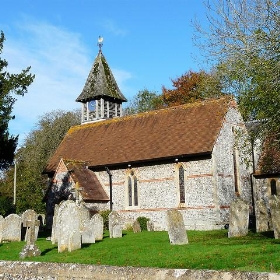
(268, 234)
(43, 253)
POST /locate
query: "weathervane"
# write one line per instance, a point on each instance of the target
(100, 42)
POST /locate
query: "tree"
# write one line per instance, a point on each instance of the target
(144, 101)
(32, 158)
(10, 85)
(243, 41)
(190, 87)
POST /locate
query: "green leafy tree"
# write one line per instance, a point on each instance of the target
(32, 158)
(10, 86)
(243, 41)
(144, 101)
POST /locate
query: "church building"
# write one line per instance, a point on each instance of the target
(185, 157)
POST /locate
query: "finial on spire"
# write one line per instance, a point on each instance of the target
(100, 42)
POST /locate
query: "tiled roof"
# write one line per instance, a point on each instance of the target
(269, 162)
(91, 189)
(185, 130)
(100, 82)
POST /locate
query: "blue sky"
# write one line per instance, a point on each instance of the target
(146, 43)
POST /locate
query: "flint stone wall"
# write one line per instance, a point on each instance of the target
(54, 271)
(209, 186)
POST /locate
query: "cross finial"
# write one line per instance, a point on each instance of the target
(100, 42)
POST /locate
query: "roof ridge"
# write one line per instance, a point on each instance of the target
(153, 112)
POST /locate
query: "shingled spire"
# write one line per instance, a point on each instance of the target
(101, 97)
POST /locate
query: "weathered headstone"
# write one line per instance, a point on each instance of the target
(12, 228)
(1, 227)
(261, 216)
(88, 236)
(238, 218)
(70, 221)
(55, 225)
(27, 216)
(74, 241)
(176, 228)
(98, 226)
(115, 228)
(136, 226)
(117, 231)
(31, 223)
(150, 226)
(274, 204)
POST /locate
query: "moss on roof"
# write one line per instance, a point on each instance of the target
(186, 130)
(100, 82)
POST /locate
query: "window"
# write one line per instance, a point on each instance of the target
(273, 187)
(132, 190)
(182, 184)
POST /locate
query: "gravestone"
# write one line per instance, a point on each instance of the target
(74, 241)
(27, 216)
(98, 226)
(70, 221)
(88, 234)
(12, 228)
(115, 228)
(1, 227)
(54, 225)
(117, 231)
(150, 226)
(238, 218)
(176, 228)
(31, 223)
(274, 204)
(136, 226)
(261, 216)
(2, 220)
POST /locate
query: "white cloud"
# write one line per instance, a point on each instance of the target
(113, 28)
(60, 62)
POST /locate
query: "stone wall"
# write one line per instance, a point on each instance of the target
(54, 271)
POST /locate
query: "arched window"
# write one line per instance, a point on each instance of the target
(182, 184)
(132, 190)
(273, 187)
(129, 188)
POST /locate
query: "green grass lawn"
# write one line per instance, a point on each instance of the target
(206, 250)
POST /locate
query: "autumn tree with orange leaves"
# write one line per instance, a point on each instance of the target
(191, 87)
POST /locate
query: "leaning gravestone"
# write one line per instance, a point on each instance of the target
(238, 218)
(261, 216)
(97, 221)
(176, 228)
(12, 228)
(69, 221)
(31, 223)
(136, 226)
(1, 227)
(274, 204)
(27, 216)
(115, 228)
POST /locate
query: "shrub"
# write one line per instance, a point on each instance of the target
(143, 222)
(105, 216)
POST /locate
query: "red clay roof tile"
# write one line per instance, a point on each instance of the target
(189, 129)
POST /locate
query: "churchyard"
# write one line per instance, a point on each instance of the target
(82, 239)
(205, 250)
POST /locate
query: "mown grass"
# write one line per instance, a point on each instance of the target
(206, 250)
